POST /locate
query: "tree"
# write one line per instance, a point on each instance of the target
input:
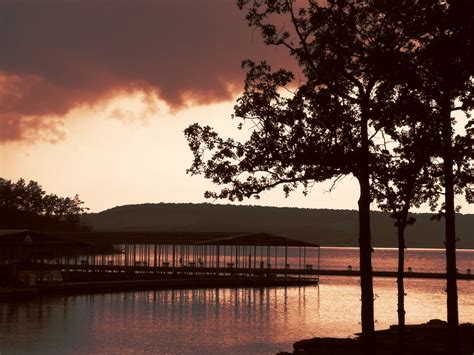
(322, 128)
(437, 75)
(409, 176)
(444, 65)
(28, 206)
(470, 146)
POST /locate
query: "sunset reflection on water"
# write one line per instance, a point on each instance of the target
(207, 321)
(386, 259)
(218, 321)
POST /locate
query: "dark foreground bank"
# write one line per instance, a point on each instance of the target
(427, 338)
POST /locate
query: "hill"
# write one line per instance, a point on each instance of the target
(323, 226)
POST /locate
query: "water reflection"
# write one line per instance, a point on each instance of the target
(386, 259)
(211, 321)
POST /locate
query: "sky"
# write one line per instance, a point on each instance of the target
(95, 96)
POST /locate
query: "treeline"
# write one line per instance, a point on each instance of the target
(27, 206)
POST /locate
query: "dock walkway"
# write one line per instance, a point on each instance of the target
(308, 273)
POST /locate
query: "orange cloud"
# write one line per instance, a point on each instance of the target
(57, 55)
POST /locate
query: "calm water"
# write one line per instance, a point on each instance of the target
(386, 259)
(226, 321)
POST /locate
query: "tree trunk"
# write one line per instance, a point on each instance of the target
(365, 248)
(401, 288)
(452, 294)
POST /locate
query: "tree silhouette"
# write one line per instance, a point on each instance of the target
(470, 147)
(443, 68)
(411, 174)
(407, 178)
(26, 205)
(324, 126)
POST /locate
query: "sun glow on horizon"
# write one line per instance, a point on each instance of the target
(131, 149)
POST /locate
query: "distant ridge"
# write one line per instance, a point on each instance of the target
(323, 226)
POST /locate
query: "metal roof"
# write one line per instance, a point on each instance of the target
(188, 238)
(22, 238)
(145, 237)
(177, 238)
(258, 239)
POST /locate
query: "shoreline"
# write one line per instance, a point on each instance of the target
(393, 274)
(425, 338)
(355, 246)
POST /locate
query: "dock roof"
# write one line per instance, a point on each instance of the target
(180, 238)
(258, 239)
(57, 243)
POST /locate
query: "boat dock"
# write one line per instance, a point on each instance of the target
(32, 262)
(35, 259)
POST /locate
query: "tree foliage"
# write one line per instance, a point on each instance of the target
(293, 141)
(27, 205)
(410, 174)
(368, 73)
(443, 75)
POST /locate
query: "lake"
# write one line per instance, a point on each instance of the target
(228, 321)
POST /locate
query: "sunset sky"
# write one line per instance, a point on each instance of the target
(95, 95)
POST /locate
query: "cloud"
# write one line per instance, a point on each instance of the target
(141, 108)
(56, 55)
